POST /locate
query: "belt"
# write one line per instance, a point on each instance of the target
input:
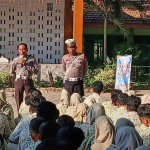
(73, 79)
(25, 77)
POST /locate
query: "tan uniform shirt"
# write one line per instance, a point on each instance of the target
(31, 66)
(79, 69)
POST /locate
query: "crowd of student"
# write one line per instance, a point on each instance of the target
(77, 123)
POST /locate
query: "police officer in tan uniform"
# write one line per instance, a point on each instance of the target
(74, 66)
(22, 68)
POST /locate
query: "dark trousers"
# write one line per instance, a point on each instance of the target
(74, 87)
(20, 87)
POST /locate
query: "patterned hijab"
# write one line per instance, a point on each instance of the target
(89, 101)
(80, 115)
(94, 112)
(65, 98)
(104, 133)
(3, 96)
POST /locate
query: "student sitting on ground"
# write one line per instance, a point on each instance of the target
(34, 131)
(7, 109)
(69, 138)
(47, 130)
(144, 116)
(24, 107)
(65, 121)
(64, 102)
(21, 131)
(121, 110)
(49, 144)
(132, 105)
(97, 90)
(75, 100)
(111, 106)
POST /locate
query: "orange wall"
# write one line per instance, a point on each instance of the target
(67, 23)
(78, 24)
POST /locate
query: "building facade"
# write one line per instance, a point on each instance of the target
(38, 23)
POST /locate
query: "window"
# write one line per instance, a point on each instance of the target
(30, 13)
(50, 47)
(0, 38)
(17, 21)
(4, 46)
(50, 56)
(47, 22)
(41, 43)
(38, 26)
(38, 43)
(4, 30)
(21, 21)
(9, 17)
(55, 35)
(50, 39)
(30, 30)
(38, 17)
(47, 39)
(12, 34)
(55, 52)
(47, 30)
(55, 43)
(12, 42)
(58, 52)
(47, 13)
(0, 46)
(30, 47)
(47, 48)
(58, 43)
(4, 21)
(42, 26)
(17, 13)
(55, 18)
(34, 22)
(30, 39)
(42, 52)
(9, 26)
(4, 38)
(30, 21)
(21, 30)
(33, 47)
(9, 34)
(46, 56)
(41, 34)
(55, 26)
(21, 39)
(38, 51)
(51, 30)
(33, 39)
(38, 34)
(49, 6)
(18, 39)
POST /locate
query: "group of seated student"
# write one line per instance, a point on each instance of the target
(75, 123)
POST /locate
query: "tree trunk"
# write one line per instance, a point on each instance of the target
(105, 39)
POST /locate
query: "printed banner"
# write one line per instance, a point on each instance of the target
(123, 73)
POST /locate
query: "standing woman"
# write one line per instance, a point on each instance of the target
(22, 68)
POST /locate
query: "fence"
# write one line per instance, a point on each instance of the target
(139, 74)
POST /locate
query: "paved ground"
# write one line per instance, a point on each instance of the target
(54, 97)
